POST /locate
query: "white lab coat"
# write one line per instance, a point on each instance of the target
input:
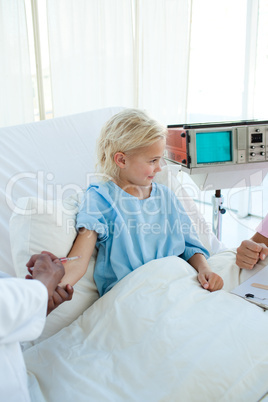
(23, 305)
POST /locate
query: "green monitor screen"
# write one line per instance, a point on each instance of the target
(213, 147)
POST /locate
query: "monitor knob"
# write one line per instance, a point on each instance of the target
(252, 154)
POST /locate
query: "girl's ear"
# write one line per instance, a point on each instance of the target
(120, 159)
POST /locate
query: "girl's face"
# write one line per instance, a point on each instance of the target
(140, 167)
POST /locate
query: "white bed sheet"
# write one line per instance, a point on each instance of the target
(156, 336)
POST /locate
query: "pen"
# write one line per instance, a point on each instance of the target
(256, 297)
(65, 259)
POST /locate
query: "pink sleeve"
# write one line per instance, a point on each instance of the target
(263, 227)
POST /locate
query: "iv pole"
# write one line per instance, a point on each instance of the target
(217, 212)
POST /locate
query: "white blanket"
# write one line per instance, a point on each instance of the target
(156, 336)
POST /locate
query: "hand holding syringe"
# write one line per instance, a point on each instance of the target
(63, 260)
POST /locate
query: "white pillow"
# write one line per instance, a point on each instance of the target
(38, 225)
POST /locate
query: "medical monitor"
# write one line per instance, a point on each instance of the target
(214, 147)
(220, 155)
(217, 144)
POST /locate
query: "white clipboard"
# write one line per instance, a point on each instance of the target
(255, 289)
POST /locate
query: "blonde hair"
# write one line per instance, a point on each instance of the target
(126, 132)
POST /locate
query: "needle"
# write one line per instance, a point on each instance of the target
(65, 259)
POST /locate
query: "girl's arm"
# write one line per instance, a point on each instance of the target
(208, 279)
(83, 246)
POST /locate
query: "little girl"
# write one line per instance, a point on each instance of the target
(131, 219)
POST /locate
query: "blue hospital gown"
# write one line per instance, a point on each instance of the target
(132, 232)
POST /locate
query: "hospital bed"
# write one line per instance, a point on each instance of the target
(157, 335)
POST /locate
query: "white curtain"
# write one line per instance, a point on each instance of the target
(163, 28)
(182, 60)
(91, 54)
(219, 64)
(119, 52)
(261, 81)
(16, 93)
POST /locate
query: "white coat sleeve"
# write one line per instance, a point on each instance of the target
(23, 306)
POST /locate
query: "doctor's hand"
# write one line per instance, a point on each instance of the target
(249, 253)
(49, 270)
(60, 295)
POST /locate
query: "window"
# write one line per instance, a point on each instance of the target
(261, 81)
(36, 14)
(217, 60)
(183, 60)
